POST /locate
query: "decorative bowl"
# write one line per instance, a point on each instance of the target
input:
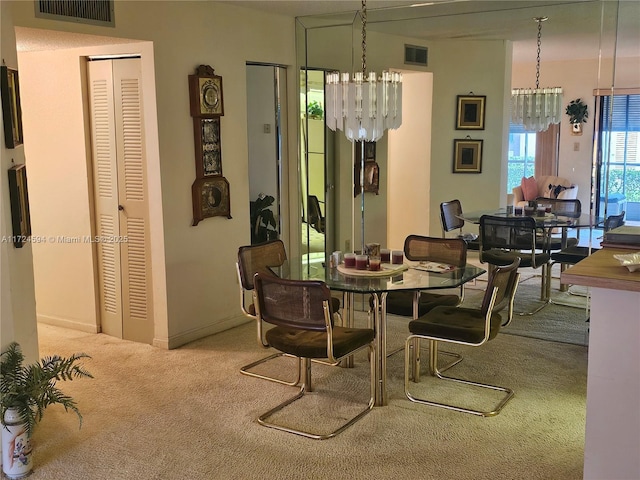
(629, 260)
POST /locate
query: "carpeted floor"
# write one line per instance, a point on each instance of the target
(188, 413)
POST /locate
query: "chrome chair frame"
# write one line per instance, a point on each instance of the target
(451, 251)
(494, 300)
(246, 289)
(520, 242)
(306, 386)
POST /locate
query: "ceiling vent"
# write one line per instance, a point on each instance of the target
(93, 12)
(414, 55)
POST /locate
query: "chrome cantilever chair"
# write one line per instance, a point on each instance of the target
(464, 326)
(405, 303)
(263, 258)
(503, 239)
(300, 311)
(450, 213)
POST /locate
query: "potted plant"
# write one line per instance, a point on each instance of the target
(314, 109)
(25, 392)
(263, 222)
(578, 114)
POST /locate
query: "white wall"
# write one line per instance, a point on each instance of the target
(409, 171)
(201, 291)
(261, 146)
(17, 297)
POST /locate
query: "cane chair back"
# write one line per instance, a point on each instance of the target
(259, 258)
(464, 326)
(417, 248)
(300, 312)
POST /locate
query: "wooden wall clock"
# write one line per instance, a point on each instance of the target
(210, 191)
(205, 93)
(206, 137)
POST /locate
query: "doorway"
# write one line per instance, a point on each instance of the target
(316, 170)
(266, 135)
(120, 198)
(58, 149)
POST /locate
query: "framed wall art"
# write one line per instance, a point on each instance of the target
(211, 198)
(369, 152)
(19, 198)
(206, 133)
(11, 111)
(470, 112)
(205, 93)
(371, 178)
(467, 156)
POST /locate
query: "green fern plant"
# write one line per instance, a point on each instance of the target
(30, 389)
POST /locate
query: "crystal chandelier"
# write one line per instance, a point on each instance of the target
(367, 105)
(536, 108)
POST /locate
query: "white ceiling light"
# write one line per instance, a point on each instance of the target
(536, 108)
(367, 105)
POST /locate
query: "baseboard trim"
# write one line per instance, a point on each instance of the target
(175, 341)
(66, 323)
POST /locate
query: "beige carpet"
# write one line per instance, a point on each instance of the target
(188, 413)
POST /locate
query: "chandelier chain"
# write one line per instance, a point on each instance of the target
(364, 37)
(538, 58)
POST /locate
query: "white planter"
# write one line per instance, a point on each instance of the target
(17, 453)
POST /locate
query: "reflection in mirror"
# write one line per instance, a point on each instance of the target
(312, 166)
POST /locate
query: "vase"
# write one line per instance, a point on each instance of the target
(17, 453)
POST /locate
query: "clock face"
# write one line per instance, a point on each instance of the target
(210, 96)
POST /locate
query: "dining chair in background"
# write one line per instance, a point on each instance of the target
(450, 213)
(300, 312)
(560, 207)
(263, 258)
(503, 239)
(463, 326)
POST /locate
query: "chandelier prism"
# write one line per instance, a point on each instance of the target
(536, 108)
(367, 105)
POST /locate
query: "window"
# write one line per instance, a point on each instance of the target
(620, 145)
(522, 155)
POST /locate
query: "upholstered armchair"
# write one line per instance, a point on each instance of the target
(548, 186)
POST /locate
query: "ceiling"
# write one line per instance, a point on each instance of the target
(572, 31)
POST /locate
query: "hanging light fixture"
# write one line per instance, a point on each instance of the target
(536, 108)
(365, 106)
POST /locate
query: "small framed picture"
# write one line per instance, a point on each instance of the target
(467, 156)
(19, 198)
(471, 112)
(369, 152)
(11, 111)
(211, 198)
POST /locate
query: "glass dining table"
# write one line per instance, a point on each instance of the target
(409, 276)
(547, 223)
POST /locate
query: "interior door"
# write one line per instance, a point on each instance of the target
(120, 196)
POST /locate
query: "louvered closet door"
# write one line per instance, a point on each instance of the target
(121, 199)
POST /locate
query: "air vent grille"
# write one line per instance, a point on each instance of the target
(94, 12)
(414, 55)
